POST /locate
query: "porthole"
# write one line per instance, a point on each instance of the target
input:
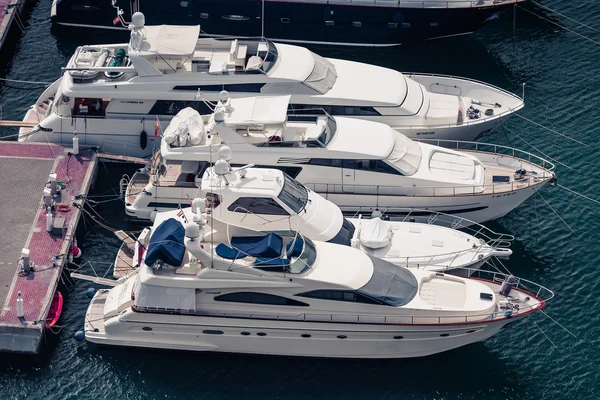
(245, 333)
(147, 328)
(183, 3)
(261, 334)
(330, 22)
(342, 336)
(234, 17)
(285, 20)
(445, 334)
(398, 337)
(356, 24)
(405, 24)
(305, 335)
(471, 331)
(434, 24)
(212, 332)
(392, 25)
(204, 15)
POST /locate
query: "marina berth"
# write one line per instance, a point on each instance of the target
(119, 97)
(270, 200)
(204, 285)
(359, 165)
(339, 22)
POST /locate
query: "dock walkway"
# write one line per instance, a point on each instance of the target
(24, 173)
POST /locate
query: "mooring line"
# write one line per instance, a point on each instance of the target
(564, 16)
(555, 131)
(554, 211)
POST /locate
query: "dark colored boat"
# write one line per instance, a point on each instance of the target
(340, 22)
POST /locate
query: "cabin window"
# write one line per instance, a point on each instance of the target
(434, 24)
(333, 110)
(90, 107)
(257, 205)
(291, 171)
(339, 295)
(285, 20)
(163, 205)
(238, 87)
(356, 24)
(344, 236)
(259, 298)
(234, 17)
(377, 166)
(293, 194)
(392, 25)
(204, 15)
(171, 107)
(405, 25)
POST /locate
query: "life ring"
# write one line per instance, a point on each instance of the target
(64, 208)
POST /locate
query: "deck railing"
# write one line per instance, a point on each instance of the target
(540, 294)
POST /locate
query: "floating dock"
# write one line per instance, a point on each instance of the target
(25, 169)
(13, 8)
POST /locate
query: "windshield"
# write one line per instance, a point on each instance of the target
(390, 284)
(406, 155)
(323, 75)
(328, 131)
(293, 194)
(345, 235)
(306, 259)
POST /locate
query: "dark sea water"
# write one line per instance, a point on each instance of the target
(560, 70)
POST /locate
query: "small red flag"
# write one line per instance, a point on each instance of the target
(116, 20)
(156, 127)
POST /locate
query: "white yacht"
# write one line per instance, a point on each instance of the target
(270, 200)
(112, 95)
(359, 165)
(226, 288)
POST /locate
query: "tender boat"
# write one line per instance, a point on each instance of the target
(270, 200)
(118, 96)
(339, 22)
(226, 288)
(361, 166)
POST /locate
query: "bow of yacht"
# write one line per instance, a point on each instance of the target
(204, 285)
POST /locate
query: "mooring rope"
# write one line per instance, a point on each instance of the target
(559, 25)
(555, 131)
(564, 16)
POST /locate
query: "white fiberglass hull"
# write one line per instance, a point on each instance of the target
(285, 338)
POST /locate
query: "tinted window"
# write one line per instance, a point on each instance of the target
(257, 205)
(291, 171)
(345, 234)
(171, 107)
(240, 87)
(339, 295)
(259, 298)
(163, 205)
(377, 166)
(293, 194)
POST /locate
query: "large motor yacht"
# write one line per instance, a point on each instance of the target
(361, 166)
(340, 22)
(115, 96)
(207, 286)
(270, 200)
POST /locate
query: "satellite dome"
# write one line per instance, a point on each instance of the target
(138, 20)
(225, 153)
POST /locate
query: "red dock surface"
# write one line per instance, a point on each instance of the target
(26, 168)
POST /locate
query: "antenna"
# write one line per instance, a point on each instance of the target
(262, 20)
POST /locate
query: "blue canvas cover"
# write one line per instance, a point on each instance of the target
(259, 246)
(167, 244)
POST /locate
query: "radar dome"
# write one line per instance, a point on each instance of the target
(225, 153)
(223, 96)
(138, 20)
(221, 167)
(192, 231)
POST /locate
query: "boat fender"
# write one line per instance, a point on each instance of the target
(507, 285)
(79, 336)
(76, 251)
(90, 292)
(143, 140)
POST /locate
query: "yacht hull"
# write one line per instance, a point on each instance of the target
(367, 24)
(285, 338)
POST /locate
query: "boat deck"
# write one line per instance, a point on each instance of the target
(26, 167)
